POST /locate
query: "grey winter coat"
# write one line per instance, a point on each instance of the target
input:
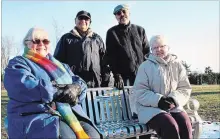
(156, 78)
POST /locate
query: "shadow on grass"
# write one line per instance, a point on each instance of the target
(4, 100)
(204, 93)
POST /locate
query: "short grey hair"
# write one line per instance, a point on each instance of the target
(35, 33)
(157, 38)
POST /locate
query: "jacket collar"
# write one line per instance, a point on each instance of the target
(155, 59)
(122, 26)
(76, 33)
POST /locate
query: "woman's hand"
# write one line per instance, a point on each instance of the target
(68, 94)
(166, 103)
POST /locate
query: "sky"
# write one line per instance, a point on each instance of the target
(191, 27)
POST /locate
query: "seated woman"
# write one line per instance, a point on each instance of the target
(37, 85)
(162, 89)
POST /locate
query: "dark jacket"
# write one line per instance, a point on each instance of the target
(30, 89)
(126, 46)
(82, 54)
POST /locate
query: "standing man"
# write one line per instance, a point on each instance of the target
(126, 45)
(83, 50)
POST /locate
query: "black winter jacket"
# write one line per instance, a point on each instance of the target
(126, 46)
(81, 53)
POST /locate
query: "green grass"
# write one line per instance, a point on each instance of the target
(4, 100)
(209, 105)
(207, 95)
(206, 88)
(209, 99)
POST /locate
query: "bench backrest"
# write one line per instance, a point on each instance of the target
(107, 104)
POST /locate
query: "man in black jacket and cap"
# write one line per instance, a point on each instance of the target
(83, 50)
(126, 46)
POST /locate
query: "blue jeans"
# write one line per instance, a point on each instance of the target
(67, 133)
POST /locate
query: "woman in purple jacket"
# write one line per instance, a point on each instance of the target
(32, 82)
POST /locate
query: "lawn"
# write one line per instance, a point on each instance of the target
(4, 100)
(207, 95)
(209, 99)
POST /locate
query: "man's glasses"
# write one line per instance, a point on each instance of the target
(37, 41)
(83, 18)
(120, 12)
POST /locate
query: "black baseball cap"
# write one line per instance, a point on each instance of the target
(83, 13)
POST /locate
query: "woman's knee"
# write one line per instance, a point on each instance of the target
(165, 125)
(164, 120)
(182, 118)
(184, 124)
(170, 122)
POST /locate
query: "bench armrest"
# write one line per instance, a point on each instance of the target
(192, 104)
(192, 108)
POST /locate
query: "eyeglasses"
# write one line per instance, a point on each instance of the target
(120, 12)
(83, 18)
(37, 41)
(161, 47)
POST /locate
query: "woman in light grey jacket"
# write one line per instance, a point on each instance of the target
(161, 90)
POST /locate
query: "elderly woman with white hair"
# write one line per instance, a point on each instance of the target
(162, 89)
(37, 84)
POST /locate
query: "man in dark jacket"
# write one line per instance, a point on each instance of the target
(83, 50)
(126, 46)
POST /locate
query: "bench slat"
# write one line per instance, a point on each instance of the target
(113, 106)
(101, 104)
(84, 106)
(123, 106)
(118, 107)
(89, 98)
(107, 110)
(126, 93)
(97, 118)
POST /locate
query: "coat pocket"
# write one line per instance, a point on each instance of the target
(15, 128)
(43, 126)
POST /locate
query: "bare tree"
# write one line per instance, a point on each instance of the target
(8, 50)
(208, 70)
(187, 67)
(7, 43)
(58, 30)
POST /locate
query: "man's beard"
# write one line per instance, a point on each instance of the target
(123, 19)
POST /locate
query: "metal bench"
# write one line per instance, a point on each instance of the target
(110, 110)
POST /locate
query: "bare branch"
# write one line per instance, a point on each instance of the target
(58, 30)
(8, 49)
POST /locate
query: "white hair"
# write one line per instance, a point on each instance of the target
(35, 33)
(158, 39)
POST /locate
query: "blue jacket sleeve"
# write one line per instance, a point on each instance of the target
(22, 85)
